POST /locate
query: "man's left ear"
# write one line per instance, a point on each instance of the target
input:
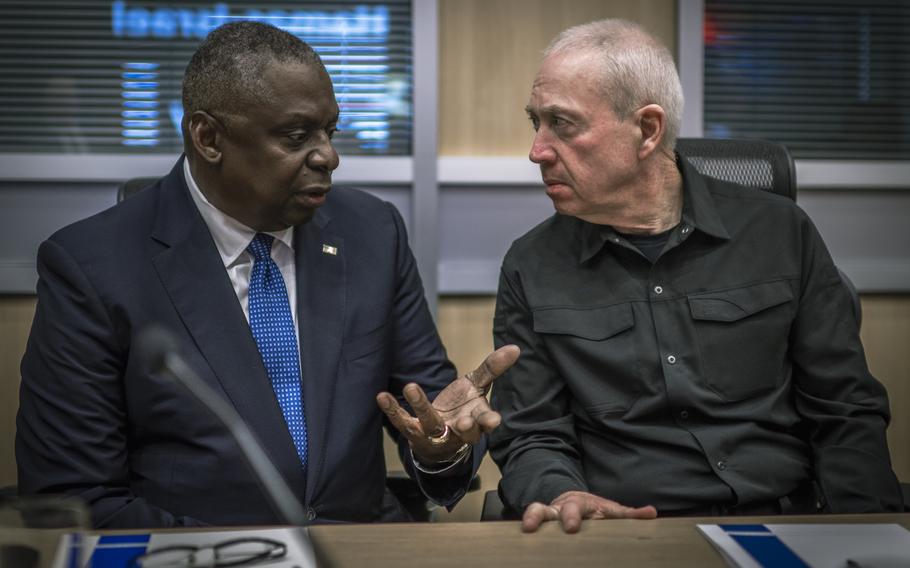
(652, 121)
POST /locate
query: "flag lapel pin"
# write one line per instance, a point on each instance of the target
(329, 249)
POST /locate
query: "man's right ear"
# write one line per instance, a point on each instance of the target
(206, 136)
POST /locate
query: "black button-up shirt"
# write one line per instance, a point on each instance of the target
(729, 371)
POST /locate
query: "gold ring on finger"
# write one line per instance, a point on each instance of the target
(440, 439)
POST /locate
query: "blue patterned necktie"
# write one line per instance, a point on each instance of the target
(273, 329)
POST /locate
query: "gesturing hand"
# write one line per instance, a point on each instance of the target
(459, 414)
(573, 506)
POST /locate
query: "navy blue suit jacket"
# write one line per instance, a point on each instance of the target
(92, 422)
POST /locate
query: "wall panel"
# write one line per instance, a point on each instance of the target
(886, 338)
(489, 53)
(16, 313)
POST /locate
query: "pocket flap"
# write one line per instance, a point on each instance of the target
(587, 323)
(732, 305)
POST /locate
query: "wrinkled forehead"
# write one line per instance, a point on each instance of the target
(565, 78)
(294, 87)
(578, 64)
(289, 75)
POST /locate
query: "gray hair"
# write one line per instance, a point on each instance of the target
(635, 68)
(225, 73)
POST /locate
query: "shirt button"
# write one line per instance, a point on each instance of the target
(685, 229)
(658, 290)
(684, 414)
(671, 359)
(722, 465)
(311, 514)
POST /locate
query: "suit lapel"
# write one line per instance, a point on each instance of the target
(320, 313)
(192, 272)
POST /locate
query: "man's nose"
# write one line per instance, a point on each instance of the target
(324, 156)
(541, 150)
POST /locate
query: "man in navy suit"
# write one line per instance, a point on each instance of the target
(259, 114)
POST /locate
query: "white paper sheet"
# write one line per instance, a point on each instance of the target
(114, 551)
(813, 545)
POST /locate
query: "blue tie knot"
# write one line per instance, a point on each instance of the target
(261, 246)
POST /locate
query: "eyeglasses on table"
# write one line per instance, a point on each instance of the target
(234, 552)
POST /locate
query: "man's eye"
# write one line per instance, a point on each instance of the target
(535, 122)
(558, 122)
(298, 136)
(331, 132)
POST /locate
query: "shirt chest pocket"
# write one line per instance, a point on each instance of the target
(743, 335)
(594, 350)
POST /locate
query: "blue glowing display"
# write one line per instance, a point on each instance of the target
(114, 83)
(352, 43)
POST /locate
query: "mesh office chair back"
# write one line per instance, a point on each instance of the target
(753, 163)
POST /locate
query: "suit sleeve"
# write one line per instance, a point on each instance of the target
(72, 436)
(845, 410)
(419, 356)
(535, 447)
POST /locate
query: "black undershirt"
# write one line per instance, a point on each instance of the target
(649, 245)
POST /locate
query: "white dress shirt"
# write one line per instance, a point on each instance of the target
(232, 237)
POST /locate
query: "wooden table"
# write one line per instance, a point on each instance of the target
(662, 542)
(659, 543)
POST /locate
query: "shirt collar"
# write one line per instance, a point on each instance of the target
(699, 212)
(593, 237)
(230, 235)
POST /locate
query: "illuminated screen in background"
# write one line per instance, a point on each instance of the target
(105, 77)
(827, 79)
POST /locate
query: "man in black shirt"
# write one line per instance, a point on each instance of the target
(688, 346)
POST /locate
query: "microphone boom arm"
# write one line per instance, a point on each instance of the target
(282, 498)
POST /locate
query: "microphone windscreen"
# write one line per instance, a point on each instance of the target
(152, 346)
